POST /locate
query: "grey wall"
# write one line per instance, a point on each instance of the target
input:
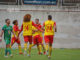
(68, 23)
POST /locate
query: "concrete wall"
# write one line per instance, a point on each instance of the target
(68, 23)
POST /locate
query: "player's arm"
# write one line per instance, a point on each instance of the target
(14, 35)
(35, 30)
(13, 32)
(55, 27)
(43, 26)
(37, 27)
(20, 30)
(1, 35)
(3, 28)
(40, 26)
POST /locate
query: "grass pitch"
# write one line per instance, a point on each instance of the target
(58, 54)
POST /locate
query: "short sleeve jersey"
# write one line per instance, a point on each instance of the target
(7, 31)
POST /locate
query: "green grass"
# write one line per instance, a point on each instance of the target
(58, 54)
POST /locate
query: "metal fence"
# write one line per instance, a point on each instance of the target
(70, 2)
(8, 2)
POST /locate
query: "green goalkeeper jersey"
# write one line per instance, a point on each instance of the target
(7, 32)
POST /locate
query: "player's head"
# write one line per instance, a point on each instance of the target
(37, 21)
(7, 21)
(49, 17)
(27, 18)
(15, 22)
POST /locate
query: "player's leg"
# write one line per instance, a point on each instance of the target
(25, 48)
(50, 46)
(47, 43)
(47, 48)
(8, 49)
(39, 39)
(30, 45)
(44, 49)
(12, 41)
(40, 49)
(33, 45)
(19, 46)
(50, 50)
(25, 44)
(34, 41)
(20, 51)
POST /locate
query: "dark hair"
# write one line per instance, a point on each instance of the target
(27, 18)
(14, 21)
(37, 19)
(49, 17)
(6, 20)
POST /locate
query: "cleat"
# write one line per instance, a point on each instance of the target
(6, 56)
(25, 52)
(28, 55)
(44, 53)
(47, 53)
(11, 55)
(40, 53)
(49, 57)
(20, 53)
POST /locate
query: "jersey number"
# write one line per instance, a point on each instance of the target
(49, 28)
(26, 28)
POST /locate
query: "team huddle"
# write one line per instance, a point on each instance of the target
(32, 33)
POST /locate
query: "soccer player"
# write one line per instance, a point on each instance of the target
(50, 29)
(27, 31)
(40, 33)
(16, 31)
(7, 29)
(37, 40)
